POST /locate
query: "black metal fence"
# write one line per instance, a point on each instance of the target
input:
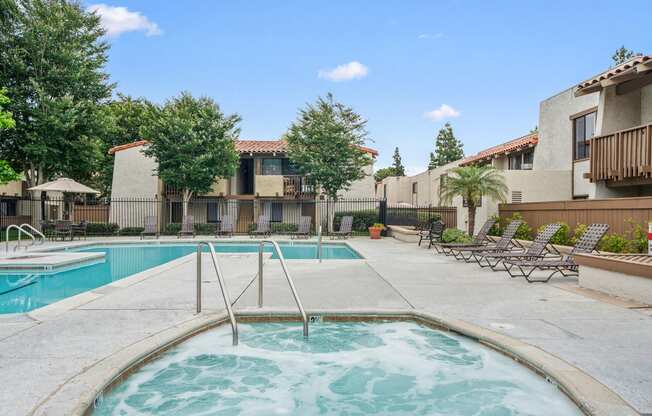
(126, 216)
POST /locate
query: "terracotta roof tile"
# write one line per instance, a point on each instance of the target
(243, 146)
(628, 66)
(513, 145)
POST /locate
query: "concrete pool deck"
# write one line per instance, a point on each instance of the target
(45, 352)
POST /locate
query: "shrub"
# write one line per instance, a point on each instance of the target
(205, 229)
(362, 220)
(524, 231)
(455, 235)
(562, 236)
(580, 229)
(131, 230)
(614, 243)
(637, 237)
(284, 227)
(100, 228)
(172, 228)
(495, 229)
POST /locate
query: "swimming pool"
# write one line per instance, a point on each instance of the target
(23, 292)
(344, 368)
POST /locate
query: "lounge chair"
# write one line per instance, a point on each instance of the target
(151, 227)
(479, 240)
(504, 244)
(303, 230)
(79, 230)
(346, 228)
(63, 230)
(263, 228)
(187, 227)
(565, 266)
(536, 250)
(226, 228)
(432, 234)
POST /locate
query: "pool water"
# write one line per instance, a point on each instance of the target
(383, 368)
(23, 292)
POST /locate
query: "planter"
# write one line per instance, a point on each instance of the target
(374, 233)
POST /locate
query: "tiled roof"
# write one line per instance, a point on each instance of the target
(626, 70)
(243, 146)
(513, 145)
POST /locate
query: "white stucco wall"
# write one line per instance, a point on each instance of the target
(133, 175)
(618, 112)
(646, 104)
(362, 188)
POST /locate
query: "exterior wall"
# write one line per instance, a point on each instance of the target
(618, 112)
(220, 188)
(14, 188)
(133, 175)
(268, 185)
(363, 188)
(646, 104)
(555, 148)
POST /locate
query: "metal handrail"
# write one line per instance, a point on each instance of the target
(220, 279)
(35, 231)
(20, 232)
(304, 317)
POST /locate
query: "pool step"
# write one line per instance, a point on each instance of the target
(47, 262)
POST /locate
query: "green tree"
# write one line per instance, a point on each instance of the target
(399, 170)
(124, 118)
(472, 183)
(51, 62)
(383, 173)
(193, 143)
(447, 148)
(7, 174)
(623, 55)
(324, 143)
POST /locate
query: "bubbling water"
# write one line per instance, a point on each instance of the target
(386, 368)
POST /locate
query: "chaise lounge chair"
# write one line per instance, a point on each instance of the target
(479, 240)
(187, 227)
(432, 234)
(151, 227)
(536, 250)
(565, 266)
(63, 230)
(346, 227)
(303, 231)
(226, 227)
(263, 228)
(504, 244)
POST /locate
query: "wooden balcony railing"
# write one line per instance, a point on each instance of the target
(623, 155)
(297, 186)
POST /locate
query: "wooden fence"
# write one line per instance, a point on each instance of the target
(614, 212)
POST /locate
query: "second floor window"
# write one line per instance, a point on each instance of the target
(583, 130)
(521, 161)
(272, 167)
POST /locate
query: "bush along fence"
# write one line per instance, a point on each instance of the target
(126, 216)
(632, 240)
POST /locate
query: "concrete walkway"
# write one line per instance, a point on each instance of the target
(42, 350)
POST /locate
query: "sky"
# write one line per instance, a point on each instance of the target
(406, 66)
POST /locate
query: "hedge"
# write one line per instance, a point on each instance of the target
(362, 220)
(100, 228)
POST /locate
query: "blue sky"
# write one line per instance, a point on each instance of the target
(484, 65)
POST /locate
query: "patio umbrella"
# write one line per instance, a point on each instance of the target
(65, 185)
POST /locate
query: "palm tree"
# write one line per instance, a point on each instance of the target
(472, 183)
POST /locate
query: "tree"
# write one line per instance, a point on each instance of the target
(447, 148)
(193, 143)
(383, 173)
(124, 119)
(51, 62)
(7, 174)
(472, 183)
(399, 170)
(623, 55)
(324, 143)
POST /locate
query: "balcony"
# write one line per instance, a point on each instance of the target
(623, 157)
(296, 186)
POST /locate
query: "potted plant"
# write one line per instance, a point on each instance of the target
(375, 230)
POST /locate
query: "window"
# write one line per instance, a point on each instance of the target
(415, 187)
(272, 167)
(521, 161)
(277, 212)
(8, 207)
(583, 130)
(290, 168)
(212, 212)
(385, 191)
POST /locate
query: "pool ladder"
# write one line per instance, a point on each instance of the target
(22, 230)
(225, 292)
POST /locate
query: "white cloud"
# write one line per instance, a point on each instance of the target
(345, 72)
(444, 111)
(431, 36)
(118, 20)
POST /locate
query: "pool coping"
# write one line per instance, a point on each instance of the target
(66, 304)
(77, 395)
